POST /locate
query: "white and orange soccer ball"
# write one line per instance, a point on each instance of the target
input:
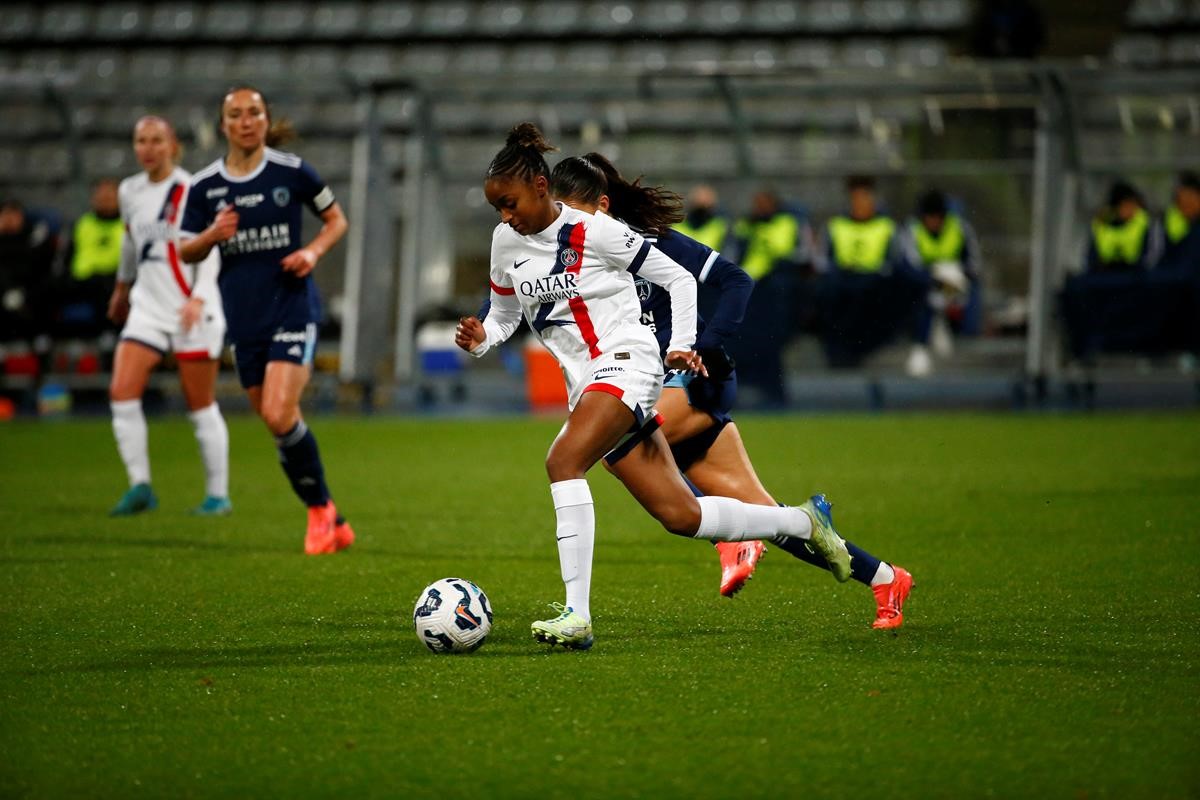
(452, 615)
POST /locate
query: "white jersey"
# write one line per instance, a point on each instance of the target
(574, 283)
(151, 213)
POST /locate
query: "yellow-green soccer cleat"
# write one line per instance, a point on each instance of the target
(825, 539)
(568, 629)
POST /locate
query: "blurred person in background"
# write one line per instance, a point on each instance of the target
(250, 204)
(870, 289)
(170, 308)
(26, 271)
(92, 257)
(1008, 29)
(944, 244)
(703, 219)
(1180, 265)
(774, 247)
(1181, 226)
(1125, 301)
(1123, 236)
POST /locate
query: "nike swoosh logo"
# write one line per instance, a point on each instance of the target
(517, 264)
(572, 536)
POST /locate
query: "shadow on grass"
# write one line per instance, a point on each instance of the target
(302, 654)
(59, 561)
(158, 543)
(946, 647)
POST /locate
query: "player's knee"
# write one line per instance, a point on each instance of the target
(120, 391)
(197, 402)
(279, 419)
(563, 467)
(680, 519)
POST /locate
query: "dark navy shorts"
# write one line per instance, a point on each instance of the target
(715, 398)
(294, 346)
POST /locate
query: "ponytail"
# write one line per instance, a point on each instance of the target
(521, 158)
(279, 131)
(650, 209)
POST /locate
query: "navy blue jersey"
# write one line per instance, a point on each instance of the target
(259, 297)
(711, 269)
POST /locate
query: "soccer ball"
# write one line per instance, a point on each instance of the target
(452, 616)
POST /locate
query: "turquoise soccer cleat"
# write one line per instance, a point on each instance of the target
(825, 539)
(213, 507)
(569, 629)
(137, 499)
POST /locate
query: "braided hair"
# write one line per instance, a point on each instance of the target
(521, 158)
(650, 209)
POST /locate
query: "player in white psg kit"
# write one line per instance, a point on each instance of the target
(171, 307)
(571, 275)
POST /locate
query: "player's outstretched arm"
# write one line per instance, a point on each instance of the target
(303, 261)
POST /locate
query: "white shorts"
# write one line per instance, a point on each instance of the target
(204, 341)
(631, 380)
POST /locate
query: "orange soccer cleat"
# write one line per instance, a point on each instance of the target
(343, 534)
(321, 537)
(889, 599)
(738, 562)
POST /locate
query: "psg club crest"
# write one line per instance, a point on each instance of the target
(569, 257)
(643, 288)
(281, 195)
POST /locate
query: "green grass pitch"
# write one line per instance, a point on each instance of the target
(1051, 647)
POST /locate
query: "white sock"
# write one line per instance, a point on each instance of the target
(576, 535)
(885, 574)
(213, 437)
(723, 519)
(129, 429)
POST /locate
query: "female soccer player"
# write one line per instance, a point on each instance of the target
(167, 308)
(250, 203)
(696, 409)
(572, 276)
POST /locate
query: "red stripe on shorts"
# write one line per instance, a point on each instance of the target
(615, 391)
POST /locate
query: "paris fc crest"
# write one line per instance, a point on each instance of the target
(643, 288)
(281, 195)
(569, 258)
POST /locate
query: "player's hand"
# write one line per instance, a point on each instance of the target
(718, 362)
(224, 225)
(688, 361)
(300, 263)
(190, 314)
(470, 333)
(118, 304)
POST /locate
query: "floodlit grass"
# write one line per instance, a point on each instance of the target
(1050, 648)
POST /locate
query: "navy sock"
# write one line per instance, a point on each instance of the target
(301, 462)
(863, 565)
